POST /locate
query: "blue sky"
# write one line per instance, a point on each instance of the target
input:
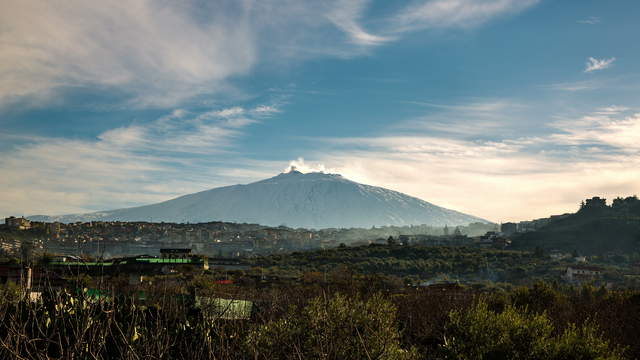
(504, 109)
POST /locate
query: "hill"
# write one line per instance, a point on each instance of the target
(313, 200)
(596, 228)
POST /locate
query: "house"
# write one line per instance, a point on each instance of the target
(492, 239)
(559, 255)
(53, 229)
(508, 228)
(17, 223)
(501, 242)
(583, 273)
(181, 253)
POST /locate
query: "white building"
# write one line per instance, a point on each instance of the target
(582, 273)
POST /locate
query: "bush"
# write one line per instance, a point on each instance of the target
(538, 298)
(583, 343)
(480, 333)
(334, 328)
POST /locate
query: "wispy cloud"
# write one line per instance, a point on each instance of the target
(265, 110)
(454, 13)
(594, 64)
(346, 15)
(164, 54)
(575, 86)
(157, 52)
(132, 165)
(591, 20)
(510, 178)
(606, 131)
(478, 116)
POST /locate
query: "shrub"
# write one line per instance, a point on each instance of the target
(479, 333)
(334, 328)
(583, 343)
(538, 298)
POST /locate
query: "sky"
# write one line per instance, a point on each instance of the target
(508, 110)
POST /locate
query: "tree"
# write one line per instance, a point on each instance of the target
(457, 231)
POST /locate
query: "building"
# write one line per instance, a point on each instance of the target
(175, 253)
(558, 255)
(583, 273)
(492, 239)
(54, 230)
(501, 242)
(17, 223)
(580, 259)
(508, 228)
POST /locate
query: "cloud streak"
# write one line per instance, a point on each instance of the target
(454, 13)
(346, 15)
(591, 20)
(575, 86)
(594, 64)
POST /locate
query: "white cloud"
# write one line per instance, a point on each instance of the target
(230, 112)
(454, 13)
(143, 163)
(265, 110)
(515, 178)
(124, 136)
(155, 50)
(478, 116)
(591, 20)
(612, 110)
(345, 16)
(160, 53)
(608, 130)
(594, 64)
(575, 86)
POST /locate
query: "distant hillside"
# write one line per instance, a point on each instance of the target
(417, 262)
(313, 201)
(595, 229)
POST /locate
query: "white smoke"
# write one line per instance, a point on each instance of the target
(301, 165)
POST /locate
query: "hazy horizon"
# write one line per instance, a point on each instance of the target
(508, 110)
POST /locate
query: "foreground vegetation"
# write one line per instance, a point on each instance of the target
(344, 319)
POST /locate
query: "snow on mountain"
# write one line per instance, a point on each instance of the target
(294, 199)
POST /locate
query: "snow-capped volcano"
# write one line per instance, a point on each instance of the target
(312, 200)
